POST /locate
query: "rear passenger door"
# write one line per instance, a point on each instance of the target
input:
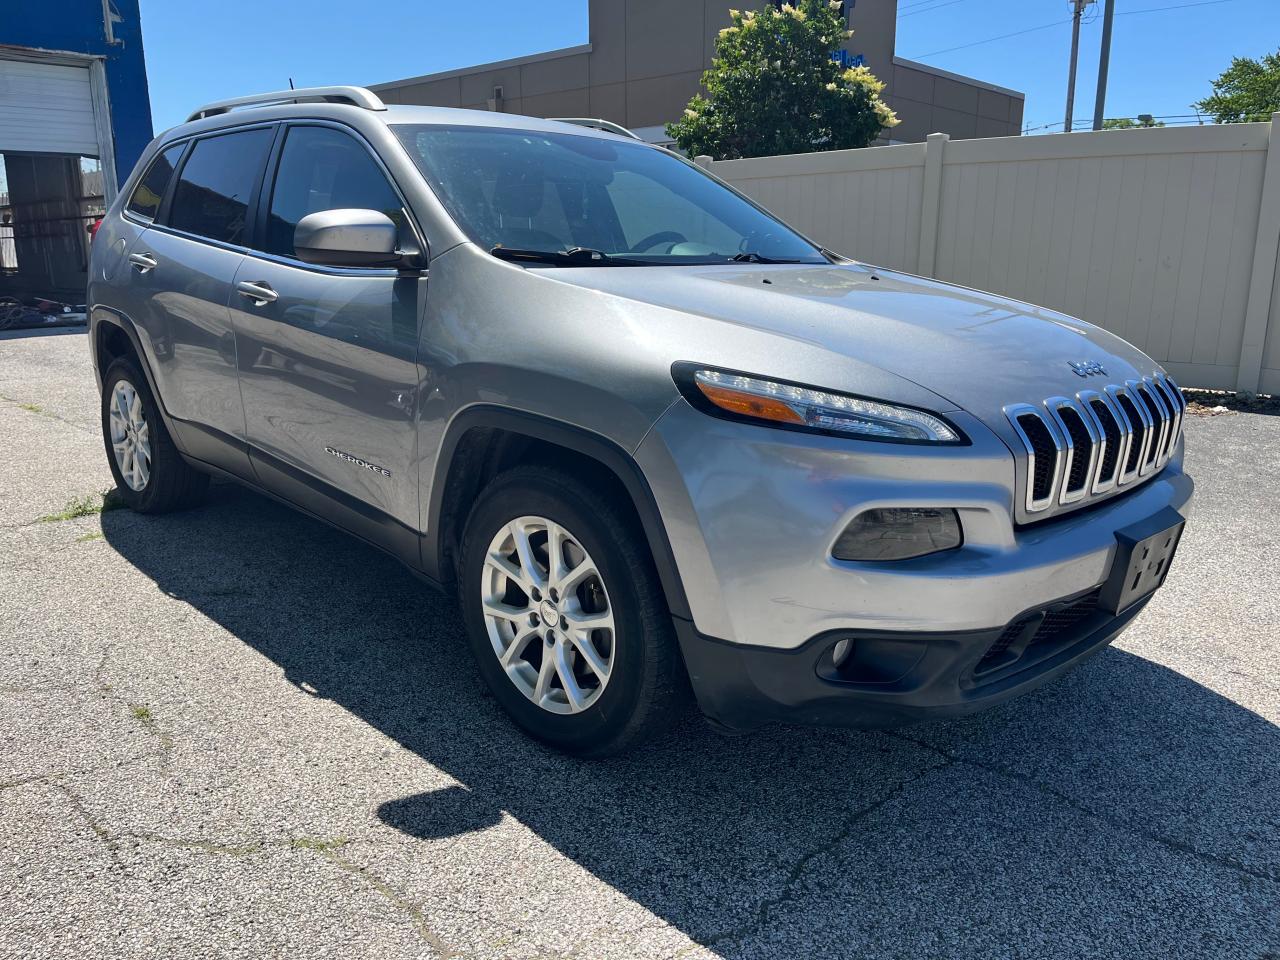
(181, 269)
(328, 359)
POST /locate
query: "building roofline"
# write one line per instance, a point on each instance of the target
(483, 67)
(927, 68)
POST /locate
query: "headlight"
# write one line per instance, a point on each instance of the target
(739, 396)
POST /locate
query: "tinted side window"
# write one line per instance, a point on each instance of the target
(325, 169)
(147, 195)
(212, 196)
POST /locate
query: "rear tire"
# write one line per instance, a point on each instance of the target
(150, 474)
(583, 657)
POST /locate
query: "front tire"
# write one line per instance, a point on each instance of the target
(565, 614)
(150, 474)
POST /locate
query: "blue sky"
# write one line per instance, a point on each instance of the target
(1161, 61)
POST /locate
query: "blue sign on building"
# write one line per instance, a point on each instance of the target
(847, 59)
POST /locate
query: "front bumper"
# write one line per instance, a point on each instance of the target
(894, 679)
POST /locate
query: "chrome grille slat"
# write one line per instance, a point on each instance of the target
(1150, 398)
(1086, 446)
(1075, 451)
(1134, 411)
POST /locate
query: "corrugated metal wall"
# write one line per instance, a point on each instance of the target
(1163, 236)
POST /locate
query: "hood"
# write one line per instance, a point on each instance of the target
(976, 350)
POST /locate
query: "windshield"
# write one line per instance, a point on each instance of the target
(612, 200)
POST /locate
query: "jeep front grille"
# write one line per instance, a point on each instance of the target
(1085, 446)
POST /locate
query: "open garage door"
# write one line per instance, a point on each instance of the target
(51, 184)
(46, 108)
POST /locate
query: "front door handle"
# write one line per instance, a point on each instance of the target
(143, 262)
(259, 292)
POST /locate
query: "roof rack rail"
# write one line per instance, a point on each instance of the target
(356, 96)
(608, 126)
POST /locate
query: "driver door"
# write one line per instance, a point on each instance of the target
(328, 354)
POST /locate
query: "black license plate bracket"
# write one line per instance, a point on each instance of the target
(1144, 553)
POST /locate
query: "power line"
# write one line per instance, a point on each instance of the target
(944, 3)
(1180, 6)
(1173, 120)
(1003, 36)
(1058, 23)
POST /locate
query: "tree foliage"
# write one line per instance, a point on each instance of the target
(774, 89)
(1248, 91)
(1129, 123)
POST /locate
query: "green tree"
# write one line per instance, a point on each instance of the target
(1248, 91)
(773, 88)
(1129, 123)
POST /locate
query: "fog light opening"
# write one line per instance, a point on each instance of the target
(899, 533)
(840, 652)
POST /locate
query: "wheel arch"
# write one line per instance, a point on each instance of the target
(483, 440)
(112, 335)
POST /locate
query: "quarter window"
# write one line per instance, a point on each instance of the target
(147, 195)
(213, 191)
(324, 169)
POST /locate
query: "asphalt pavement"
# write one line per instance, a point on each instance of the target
(235, 732)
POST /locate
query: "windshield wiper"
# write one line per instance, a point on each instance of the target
(752, 257)
(573, 257)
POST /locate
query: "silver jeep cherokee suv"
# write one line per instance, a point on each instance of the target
(654, 438)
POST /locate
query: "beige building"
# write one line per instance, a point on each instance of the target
(645, 59)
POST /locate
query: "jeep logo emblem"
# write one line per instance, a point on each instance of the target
(1087, 368)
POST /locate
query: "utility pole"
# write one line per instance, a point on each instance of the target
(1104, 62)
(1079, 6)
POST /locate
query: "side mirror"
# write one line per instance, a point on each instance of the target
(351, 238)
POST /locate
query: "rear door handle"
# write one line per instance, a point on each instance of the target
(260, 293)
(143, 262)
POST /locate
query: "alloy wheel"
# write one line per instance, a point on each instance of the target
(548, 615)
(130, 436)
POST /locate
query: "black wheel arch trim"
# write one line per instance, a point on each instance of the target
(604, 451)
(100, 315)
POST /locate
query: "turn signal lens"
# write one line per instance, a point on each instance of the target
(749, 405)
(791, 405)
(898, 533)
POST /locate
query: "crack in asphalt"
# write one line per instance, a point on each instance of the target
(21, 404)
(385, 890)
(327, 851)
(99, 831)
(1170, 843)
(164, 741)
(798, 868)
(53, 776)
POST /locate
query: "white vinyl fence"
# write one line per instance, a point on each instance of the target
(1168, 237)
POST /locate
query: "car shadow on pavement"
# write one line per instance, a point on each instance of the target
(1125, 809)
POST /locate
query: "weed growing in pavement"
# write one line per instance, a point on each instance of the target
(32, 407)
(85, 506)
(142, 714)
(90, 536)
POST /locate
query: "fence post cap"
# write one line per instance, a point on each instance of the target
(703, 160)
